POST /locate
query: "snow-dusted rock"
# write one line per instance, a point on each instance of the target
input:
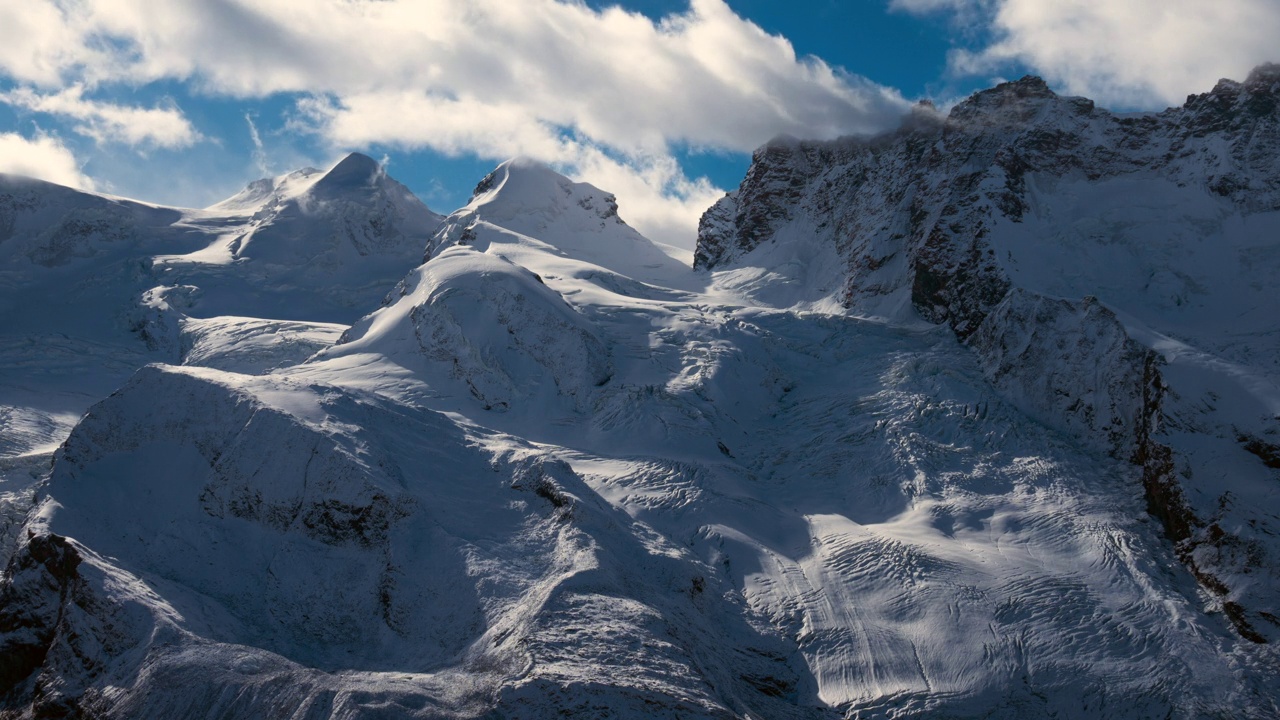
(327, 219)
(93, 287)
(1069, 364)
(311, 245)
(525, 202)
(52, 226)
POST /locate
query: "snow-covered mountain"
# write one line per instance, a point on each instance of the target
(94, 287)
(975, 419)
(1114, 273)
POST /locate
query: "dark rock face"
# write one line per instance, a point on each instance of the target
(776, 181)
(55, 630)
(911, 214)
(1039, 349)
(37, 581)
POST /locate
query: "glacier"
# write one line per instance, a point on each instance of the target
(975, 419)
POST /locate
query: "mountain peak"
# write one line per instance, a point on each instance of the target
(1236, 105)
(1266, 75)
(523, 186)
(525, 203)
(1030, 84)
(356, 170)
(1009, 103)
(1262, 80)
(520, 173)
(1028, 87)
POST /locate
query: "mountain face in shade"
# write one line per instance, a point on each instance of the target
(975, 419)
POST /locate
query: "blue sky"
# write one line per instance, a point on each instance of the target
(660, 101)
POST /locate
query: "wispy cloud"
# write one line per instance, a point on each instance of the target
(259, 151)
(164, 127)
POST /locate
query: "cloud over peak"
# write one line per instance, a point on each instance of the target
(1133, 53)
(44, 157)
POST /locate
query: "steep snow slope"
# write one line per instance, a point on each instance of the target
(1115, 274)
(543, 480)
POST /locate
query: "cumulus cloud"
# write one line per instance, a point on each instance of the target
(44, 157)
(37, 43)
(661, 202)
(552, 79)
(164, 127)
(614, 74)
(1127, 52)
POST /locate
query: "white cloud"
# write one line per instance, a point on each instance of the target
(614, 75)
(164, 127)
(1128, 52)
(37, 42)
(654, 195)
(492, 77)
(43, 157)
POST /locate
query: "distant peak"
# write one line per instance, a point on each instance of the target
(525, 166)
(1231, 103)
(1032, 81)
(353, 176)
(520, 174)
(1009, 102)
(354, 170)
(1266, 74)
(526, 162)
(1026, 87)
(523, 185)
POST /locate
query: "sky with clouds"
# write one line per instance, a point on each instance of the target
(659, 101)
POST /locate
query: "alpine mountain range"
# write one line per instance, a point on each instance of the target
(976, 418)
